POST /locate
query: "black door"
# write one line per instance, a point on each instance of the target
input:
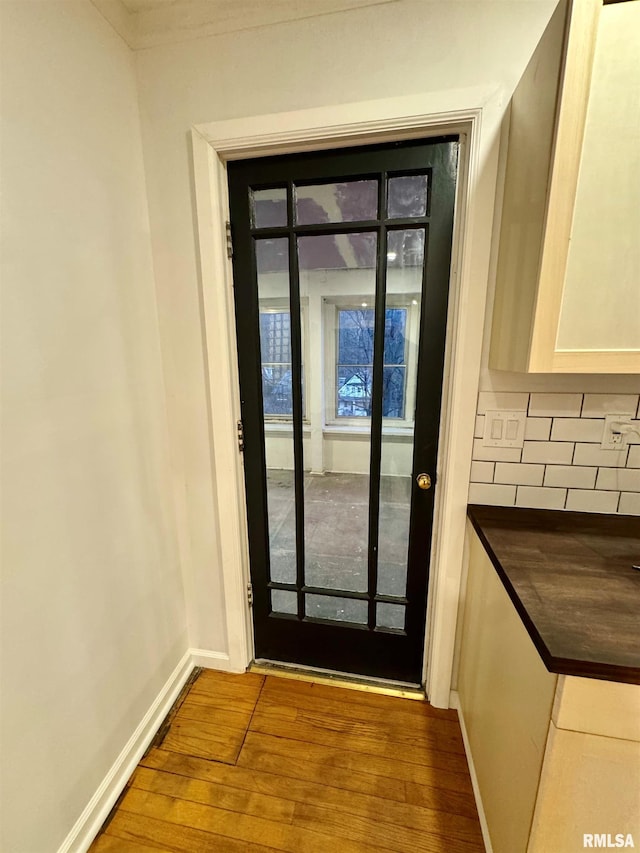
(341, 271)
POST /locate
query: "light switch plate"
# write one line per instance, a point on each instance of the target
(504, 429)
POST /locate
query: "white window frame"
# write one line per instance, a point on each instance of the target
(333, 421)
(280, 305)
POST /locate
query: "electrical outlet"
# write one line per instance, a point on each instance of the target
(504, 429)
(616, 429)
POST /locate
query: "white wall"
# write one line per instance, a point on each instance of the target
(93, 619)
(402, 48)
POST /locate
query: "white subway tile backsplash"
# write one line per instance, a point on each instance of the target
(495, 454)
(592, 454)
(577, 429)
(518, 474)
(619, 479)
(552, 452)
(491, 493)
(599, 405)
(570, 476)
(488, 401)
(634, 457)
(555, 405)
(561, 464)
(541, 498)
(591, 500)
(629, 503)
(537, 429)
(482, 472)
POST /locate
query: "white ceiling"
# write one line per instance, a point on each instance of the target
(146, 23)
(317, 7)
(149, 5)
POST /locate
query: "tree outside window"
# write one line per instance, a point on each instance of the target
(354, 369)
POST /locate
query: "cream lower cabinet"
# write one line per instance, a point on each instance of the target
(556, 757)
(568, 268)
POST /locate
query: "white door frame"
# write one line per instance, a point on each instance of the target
(475, 115)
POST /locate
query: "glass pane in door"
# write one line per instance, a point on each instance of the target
(347, 201)
(284, 601)
(272, 263)
(269, 207)
(407, 196)
(403, 300)
(337, 284)
(337, 609)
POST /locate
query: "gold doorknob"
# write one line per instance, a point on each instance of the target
(423, 481)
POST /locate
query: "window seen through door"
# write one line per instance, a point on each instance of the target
(354, 368)
(336, 307)
(275, 345)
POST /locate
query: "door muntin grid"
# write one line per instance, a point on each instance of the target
(331, 585)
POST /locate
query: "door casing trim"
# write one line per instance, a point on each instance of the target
(475, 115)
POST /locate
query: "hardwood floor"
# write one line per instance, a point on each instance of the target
(252, 763)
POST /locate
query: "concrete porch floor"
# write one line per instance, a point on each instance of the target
(336, 532)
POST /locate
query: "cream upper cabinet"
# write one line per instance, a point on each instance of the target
(568, 271)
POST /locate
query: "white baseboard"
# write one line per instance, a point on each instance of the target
(213, 660)
(88, 824)
(454, 702)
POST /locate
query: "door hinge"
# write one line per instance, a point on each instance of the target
(240, 434)
(227, 227)
(250, 594)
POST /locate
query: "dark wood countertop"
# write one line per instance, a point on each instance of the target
(570, 577)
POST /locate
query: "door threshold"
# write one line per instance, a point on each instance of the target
(330, 678)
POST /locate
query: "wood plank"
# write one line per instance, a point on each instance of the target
(207, 740)
(302, 792)
(200, 712)
(289, 766)
(224, 683)
(403, 712)
(213, 718)
(160, 834)
(112, 844)
(360, 698)
(373, 830)
(441, 799)
(328, 757)
(328, 733)
(244, 679)
(232, 692)
(242, 827)
(443, 735)
(222, 796)
(211, 702)
(448, 792)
